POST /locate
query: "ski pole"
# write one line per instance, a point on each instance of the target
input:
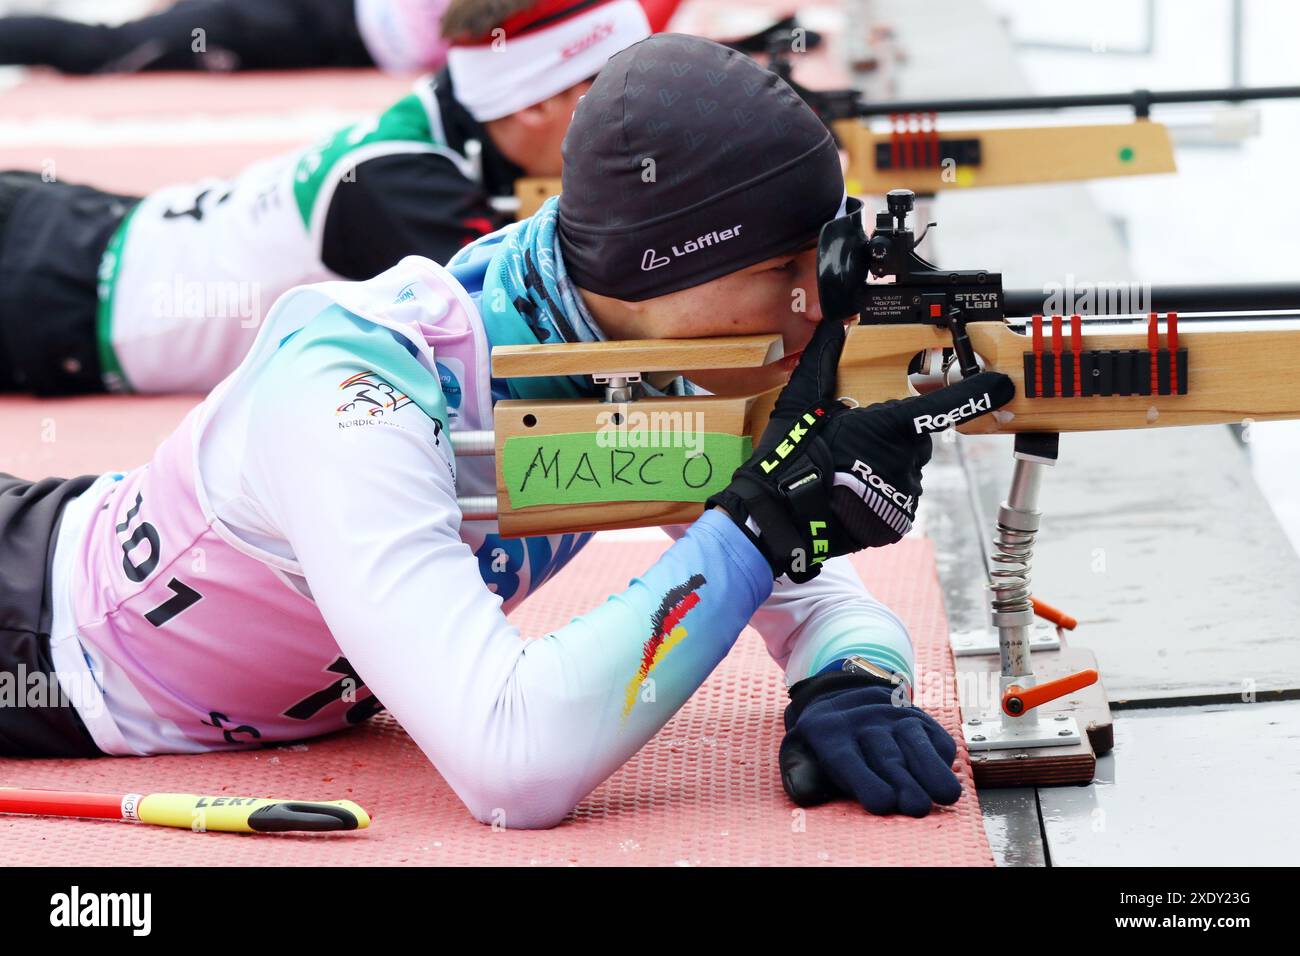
(190, 811)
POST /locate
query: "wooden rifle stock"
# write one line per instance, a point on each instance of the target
(1232, 370)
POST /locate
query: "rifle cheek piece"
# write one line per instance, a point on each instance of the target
(843, 264)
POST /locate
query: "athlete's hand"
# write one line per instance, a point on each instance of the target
(846, 736)
(827, 479)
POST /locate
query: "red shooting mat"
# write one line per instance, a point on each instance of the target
(704, 791)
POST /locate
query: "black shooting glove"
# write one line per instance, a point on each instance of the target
(827, 479)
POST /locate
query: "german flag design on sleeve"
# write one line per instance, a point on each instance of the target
(666, 632)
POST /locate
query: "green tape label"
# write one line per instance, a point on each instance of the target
(589, 467)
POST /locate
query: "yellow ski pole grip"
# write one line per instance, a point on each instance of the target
(248, 814)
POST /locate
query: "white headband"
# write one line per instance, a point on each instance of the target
(497, 78)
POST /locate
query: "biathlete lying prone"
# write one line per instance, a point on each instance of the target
(225, 35)
(299, 533)
(166, 293)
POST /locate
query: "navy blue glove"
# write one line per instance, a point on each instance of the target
(846, 737)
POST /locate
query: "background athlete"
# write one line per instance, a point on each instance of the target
(165, 294)
(227, 35)
(294, 554)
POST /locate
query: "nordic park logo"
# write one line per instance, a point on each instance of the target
(200, 299)
(1075, 297)
(651, 259)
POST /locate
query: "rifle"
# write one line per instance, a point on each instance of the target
(628, 461)
(1219, 356)
(914, 154)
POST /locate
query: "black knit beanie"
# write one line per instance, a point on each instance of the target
(687, 161)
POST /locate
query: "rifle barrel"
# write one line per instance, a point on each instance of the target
(1139, 100)
(1248, 297)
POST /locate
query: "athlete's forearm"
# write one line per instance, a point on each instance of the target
(834, 616)
(523, 730)
(583, 699)
(807, 626)
(520, 730)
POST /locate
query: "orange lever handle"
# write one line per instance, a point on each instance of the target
(1049, 613)
(1019, 699)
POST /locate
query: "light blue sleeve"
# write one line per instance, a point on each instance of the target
(521, 730)
(833, 616)
(807, 626)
